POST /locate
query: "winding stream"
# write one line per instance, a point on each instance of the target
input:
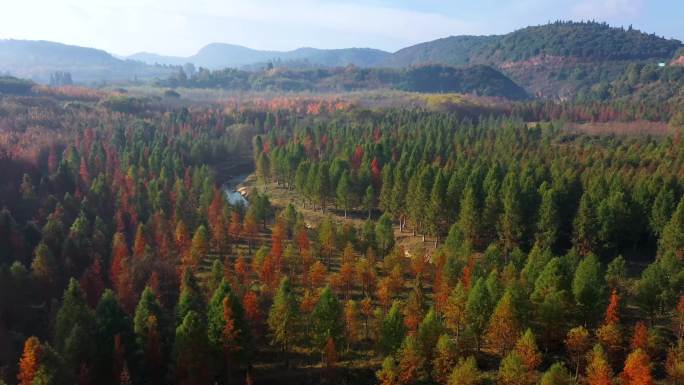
(232, 194)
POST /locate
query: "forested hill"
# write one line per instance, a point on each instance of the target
(561, 60)
(589, 41)
(557, 60)
(478, 80)
(38, 60)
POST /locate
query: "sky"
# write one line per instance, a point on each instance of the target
(181, 27)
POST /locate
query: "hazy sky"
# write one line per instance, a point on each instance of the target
(181, 27)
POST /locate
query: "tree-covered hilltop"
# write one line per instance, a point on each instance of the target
(588, 40)
(580, 40)
(479, 80)
(556, 60)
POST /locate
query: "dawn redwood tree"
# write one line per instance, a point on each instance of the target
(557, 374)
(351, 321)
(428, 334)
(399, 190)
(446, 357)
(75, 327)
(585, 226)
(616, 273)
(342, 193)
(640, 337)
(29, 364)
(588, 286)
(249, 228)
(672, 239)
(119, 253)
(511, 222)
(384, 234)
(328, 319)
(263, 168)
(613, 309)
(548, 225)
(283, 317)
(385, 197)
(191, 350)
(190, 298)
(182, 238)
(526, 349)
(235, 224)
(436, 217)
(478, 310)
(414, 308)
(199, 248)
(389, 372)
(465, 372)
(139, 242)
(321, 186)
(412, 362)
(512, 371)
(225, 309)
(92, 282)
(368, 235)
(662, 209)
(230, 334)
(147, 326)
(327, 236)
(369, 200)
(503, 330)
(637, 370)
(392, 330)
(468, 223)
(317, 274)
(577, 343)
(455, 310)
(216, 275)
(44, 268)
(114, 334)
(598, 370)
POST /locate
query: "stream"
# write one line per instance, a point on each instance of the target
(230, 189)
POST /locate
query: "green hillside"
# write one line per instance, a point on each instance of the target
(479, 80)
(556, 60)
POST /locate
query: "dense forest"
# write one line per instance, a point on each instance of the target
(479, 80)
(420, 247)
(570, 61)
(588, 40)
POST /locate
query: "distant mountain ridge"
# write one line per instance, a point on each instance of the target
(559, 60)
(221, 55)
(37, 60)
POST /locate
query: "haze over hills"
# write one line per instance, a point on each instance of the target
(37, 60)
(556, 60)
(221, 55)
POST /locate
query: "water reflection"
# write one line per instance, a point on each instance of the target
(229, 188)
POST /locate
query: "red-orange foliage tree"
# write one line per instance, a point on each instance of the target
(30, 361)
(637, 370)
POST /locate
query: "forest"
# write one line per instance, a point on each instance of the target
(479, 80)
(387, 245)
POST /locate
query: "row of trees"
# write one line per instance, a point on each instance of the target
(524, 186)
